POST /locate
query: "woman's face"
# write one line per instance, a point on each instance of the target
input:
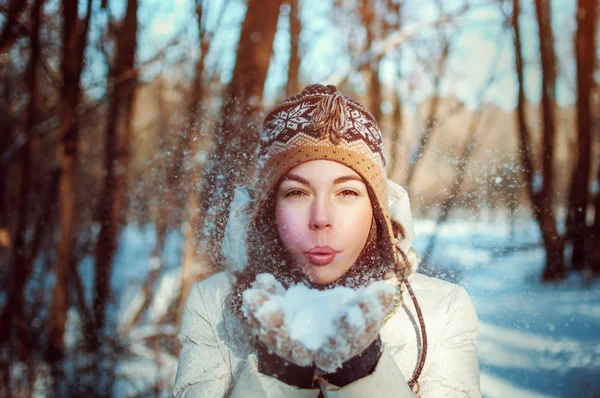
(323, 215)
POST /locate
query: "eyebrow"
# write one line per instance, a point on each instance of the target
(339, 180)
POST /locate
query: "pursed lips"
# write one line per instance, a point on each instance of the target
(321, 255)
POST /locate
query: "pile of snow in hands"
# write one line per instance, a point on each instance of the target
(321, 327)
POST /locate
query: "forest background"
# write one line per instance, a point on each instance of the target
(121, 113)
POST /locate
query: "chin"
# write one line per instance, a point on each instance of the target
(323, 281)
(324, 276)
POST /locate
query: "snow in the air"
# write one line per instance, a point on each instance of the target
(536, 340)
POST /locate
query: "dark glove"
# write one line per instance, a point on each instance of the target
(356, 367)
(271, 364)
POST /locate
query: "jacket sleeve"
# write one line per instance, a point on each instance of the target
(453, 370)
(386, 381)
(202, 370)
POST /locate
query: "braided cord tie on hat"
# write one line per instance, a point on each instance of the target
(331, 117)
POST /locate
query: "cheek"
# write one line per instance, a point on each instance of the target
(289, 222)
(357, 224)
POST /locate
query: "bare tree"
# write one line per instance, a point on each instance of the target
(164, 212)
(432, 116)
(471, 144)
(293, 84)
(577, 230)
(541, 200)
(236, 135)
(189, 138)
(14, 311)
(74, 41)
(554, 269)
(585, 46)
(193, 138)
(167, 179)
(370, 22)
(122, 84)
(8, 35)
(390, 42)
(395, 9)
(7, 122)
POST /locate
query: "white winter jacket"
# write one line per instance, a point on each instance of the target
(216, 357)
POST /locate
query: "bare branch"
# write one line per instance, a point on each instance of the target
(468, 150)
(380, 48)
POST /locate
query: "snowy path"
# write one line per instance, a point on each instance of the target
(536, 340)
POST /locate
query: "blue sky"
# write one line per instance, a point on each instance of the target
(474, 44)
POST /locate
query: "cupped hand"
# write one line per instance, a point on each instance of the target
(356, 324)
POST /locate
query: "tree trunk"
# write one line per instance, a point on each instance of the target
(236, 136)
(375, 96)
(166, 194)
(191, 135)
(7, 37)
(122, 83)
(394, 10)
(21, 258)
(191, 269)
(525, 148)
(396, 136)
(74, 41)
(554, 264)
(367, 14)
(594, 238)
(293, 85)
(169, 215)
(6, 138)
(190, 253)
(541, 201)
(585, 46)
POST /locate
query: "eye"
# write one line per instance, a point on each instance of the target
(294, 192)
(349, 192)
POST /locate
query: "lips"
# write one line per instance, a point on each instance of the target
(321, 255)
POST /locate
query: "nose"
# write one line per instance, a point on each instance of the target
(321, 214)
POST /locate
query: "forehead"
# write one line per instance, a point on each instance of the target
(321, 171)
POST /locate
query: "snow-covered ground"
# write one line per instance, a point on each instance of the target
(536, 340)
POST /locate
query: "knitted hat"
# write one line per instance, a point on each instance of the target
(320, 123)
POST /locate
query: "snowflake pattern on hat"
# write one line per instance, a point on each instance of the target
(294, 119)
(366, 128)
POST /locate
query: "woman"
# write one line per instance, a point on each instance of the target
(324, 215)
